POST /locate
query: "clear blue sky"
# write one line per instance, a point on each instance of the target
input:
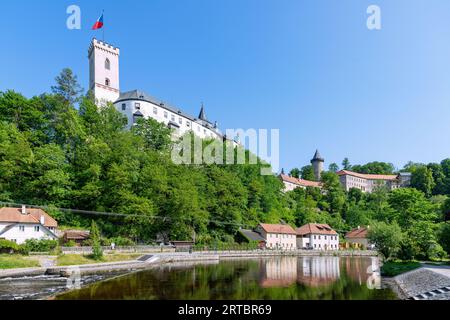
(309, 68)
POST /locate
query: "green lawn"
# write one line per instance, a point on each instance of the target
(76, 259)
(394, 268)
(12, 261)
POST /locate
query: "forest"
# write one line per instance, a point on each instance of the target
(60, 151)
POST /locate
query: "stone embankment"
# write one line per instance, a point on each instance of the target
(426, 283)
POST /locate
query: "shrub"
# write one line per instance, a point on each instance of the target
(436, 252)
(97, 252)
(44, 245)
(7, 246)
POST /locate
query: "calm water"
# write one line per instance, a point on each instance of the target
(298, 278)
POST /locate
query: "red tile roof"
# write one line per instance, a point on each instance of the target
(315, 228)
(277, 228)
(368, 176)
(357, 233)
(14, 215)
(300, 182)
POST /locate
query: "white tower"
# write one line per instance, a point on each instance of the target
(104, 71)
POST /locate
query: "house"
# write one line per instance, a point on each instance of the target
(21, 224)
(358, 237)
(291, 183)
(368, 182)
(278, 236)
(318, 237)
(251, 236)
(76, 236)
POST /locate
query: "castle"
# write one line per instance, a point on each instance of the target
(349, 179)
(104, 83)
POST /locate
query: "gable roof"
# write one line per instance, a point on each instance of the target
(251, 235)
(316, 228)
(357, 233)
(368, 176)
(300, 182)
(33, 216)
(277, 228)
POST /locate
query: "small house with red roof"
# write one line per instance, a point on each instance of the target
(358, 237)
(21, 224)
(278, 236)
(317, 236)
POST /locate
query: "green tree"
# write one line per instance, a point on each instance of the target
(422, 179)
(67, 86)
(386, 238)
(346, 164)
(307, 173)
(333, 167)
(444, 236)
(295, 173)
(97, 252)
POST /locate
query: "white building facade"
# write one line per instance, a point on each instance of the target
(20, 225)
(317, 237)
(369, 182)
(278, 236)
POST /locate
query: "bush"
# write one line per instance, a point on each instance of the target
(122, 242)
(406, 251)
(44, 245)
(436, 252)
(7, 246)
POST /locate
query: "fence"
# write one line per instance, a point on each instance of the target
(118, 249)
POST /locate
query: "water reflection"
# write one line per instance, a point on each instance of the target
(298, 278)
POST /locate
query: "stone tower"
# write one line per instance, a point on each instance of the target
(317, 163)
(104, 71)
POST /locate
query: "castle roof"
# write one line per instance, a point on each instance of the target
(318, 157)
(300, 182)
(368, 176)
(143, 96)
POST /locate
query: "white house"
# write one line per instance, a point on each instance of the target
(278, 236)
(21, 224)
(318, 237)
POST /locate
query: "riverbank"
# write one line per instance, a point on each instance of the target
(429, 282)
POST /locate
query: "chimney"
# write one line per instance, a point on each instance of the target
(359, 227)
(42, 220)
(24, 209)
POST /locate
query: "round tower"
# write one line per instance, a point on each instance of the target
(317, 163)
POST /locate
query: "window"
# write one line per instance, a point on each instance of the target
(107, 82)
(180, 120)
(22, 228)
(173, 118)
(137, 105)
(166, 115)
(188, 124)
(36, 228)
(155, 110)
(107, 64)
(124, 106)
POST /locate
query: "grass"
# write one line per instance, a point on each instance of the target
(394, 268)
(76, 259)
(12, 261)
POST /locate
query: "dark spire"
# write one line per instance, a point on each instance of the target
(202, 115)
(317, 157)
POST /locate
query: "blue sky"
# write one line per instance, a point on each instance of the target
(309, 68)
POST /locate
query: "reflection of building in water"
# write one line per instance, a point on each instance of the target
(279, 272)
(360, 270)
(318, 271)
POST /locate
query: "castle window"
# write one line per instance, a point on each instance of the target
(188, 124)
(155, 110)
(107, 64)
(180, 120)
(107, 82)
(173, 118)
(137, 105)
(166, 115)
(124, 106)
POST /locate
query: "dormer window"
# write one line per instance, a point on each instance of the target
(107, 64)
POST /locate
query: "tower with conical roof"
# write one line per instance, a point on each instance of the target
(317, 163)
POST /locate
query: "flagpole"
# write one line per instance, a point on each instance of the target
(103, 13)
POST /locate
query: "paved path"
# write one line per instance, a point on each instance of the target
(443, 270)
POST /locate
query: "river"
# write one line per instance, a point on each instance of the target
(276, 278)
